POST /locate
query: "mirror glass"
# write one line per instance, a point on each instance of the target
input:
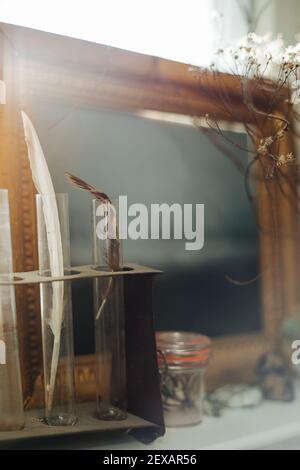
(151, 161)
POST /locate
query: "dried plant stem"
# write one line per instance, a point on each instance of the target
(43, 183)
(105, 298)
(113, 250)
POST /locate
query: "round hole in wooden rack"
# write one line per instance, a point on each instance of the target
(105, 268)
(71, 272)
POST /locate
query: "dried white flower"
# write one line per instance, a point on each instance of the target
(252, 55)
(285, 159)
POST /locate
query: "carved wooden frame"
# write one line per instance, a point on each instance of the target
(85, 74)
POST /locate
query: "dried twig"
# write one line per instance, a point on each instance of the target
(113, 247)
(265, 68)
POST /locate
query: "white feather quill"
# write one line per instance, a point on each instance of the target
(43, 183)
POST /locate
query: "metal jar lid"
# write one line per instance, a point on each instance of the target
(183, 349)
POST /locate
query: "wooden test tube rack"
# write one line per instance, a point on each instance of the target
(145, 414)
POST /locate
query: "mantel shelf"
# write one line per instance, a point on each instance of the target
(72, 274)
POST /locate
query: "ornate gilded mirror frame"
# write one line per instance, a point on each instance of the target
(84, 74)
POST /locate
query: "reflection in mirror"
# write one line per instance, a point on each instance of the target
(160, 162)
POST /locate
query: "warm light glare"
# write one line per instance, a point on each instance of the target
(180, 30)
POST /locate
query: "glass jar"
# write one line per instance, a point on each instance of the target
(183, 359)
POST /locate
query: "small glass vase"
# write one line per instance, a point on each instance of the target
(109, 317)
(57, 322)
(11, 399)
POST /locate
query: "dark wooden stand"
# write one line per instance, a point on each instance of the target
(145, 415)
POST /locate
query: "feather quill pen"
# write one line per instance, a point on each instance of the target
(112, 255)
(44, 186)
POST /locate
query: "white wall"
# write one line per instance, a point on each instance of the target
(281, 17)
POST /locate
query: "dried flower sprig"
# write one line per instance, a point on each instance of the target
(112, 254)
(267, 80)
(262, 66)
